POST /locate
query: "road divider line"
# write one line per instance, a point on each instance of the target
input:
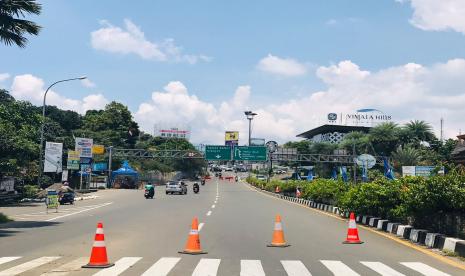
(75, 213)
(4, 260)
(120, 266)
(27, 266)
(252, 267)
(295, 268)
(162, 267)
(201, 225)
(393, 238)
(67, 268)
(213, 206)
(424, 269)
(207, 267)
(209, 213)
(338, 268)
(382, 269)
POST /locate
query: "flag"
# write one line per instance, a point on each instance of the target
(388, 172)
(334, 174)
(344, 173)
(364, 173)
(297, 192)
(310, 175)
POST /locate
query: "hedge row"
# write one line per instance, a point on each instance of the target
(436, 203)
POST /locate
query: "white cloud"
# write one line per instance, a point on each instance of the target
(31, 88)
(87, 83)
(331, 21)
(131, 40)
(438, 15)
(407, 92)
(4, 76)
(286, 67)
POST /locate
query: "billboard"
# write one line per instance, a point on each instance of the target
(257, 141)
(84, 147)
(53, 157)
(231, 138)
(172, 132)
(425, 171)
(73, 160)
(98, 149)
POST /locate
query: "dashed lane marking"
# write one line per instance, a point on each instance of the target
(201, 225)
(209, 213)
(27, 266)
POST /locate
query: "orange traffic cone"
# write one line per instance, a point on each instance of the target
(277, 189)
(98, 256)
(193, 241)
(352, 232)
(278, 234)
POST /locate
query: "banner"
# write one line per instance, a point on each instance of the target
(98, 149)
(53, 157)
(64, 176)
(84, 147)
(231, 138)
(73, 160)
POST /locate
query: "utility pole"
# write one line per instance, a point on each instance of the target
(110, 148)
(442, 130)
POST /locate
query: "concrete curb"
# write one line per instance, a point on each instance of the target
(418, 236)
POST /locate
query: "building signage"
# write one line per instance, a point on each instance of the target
(98, 149)
(425, 171)
(362, 117)
(53, 157)
(231, 138)
(84, 147)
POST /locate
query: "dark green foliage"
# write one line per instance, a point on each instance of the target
(12, 27)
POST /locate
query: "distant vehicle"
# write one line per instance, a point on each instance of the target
(280, 171)
(241, 169)
(216, 169)
(178, 187)
(228, 169)
(261, 177)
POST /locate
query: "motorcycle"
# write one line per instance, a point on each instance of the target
(196, 187)
(149, 194)
(66, 198)
(202, 182)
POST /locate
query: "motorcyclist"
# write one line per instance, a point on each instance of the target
(196, 187)
(150, 188)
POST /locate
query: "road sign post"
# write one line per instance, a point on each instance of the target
(218, 153)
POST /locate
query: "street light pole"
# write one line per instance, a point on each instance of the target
(41, 162)
(249, 114)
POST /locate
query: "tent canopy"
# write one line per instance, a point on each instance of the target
(125, 170)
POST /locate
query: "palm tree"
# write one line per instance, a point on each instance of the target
(385, 138)
(406, 156)
(420, 130)
(12, 28)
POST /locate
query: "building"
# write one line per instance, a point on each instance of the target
(458, 154)
(333, 134)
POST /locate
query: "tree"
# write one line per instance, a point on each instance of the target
(420, 131)
(12, 28)
(385, 138)
(357, 139)
(406, 156)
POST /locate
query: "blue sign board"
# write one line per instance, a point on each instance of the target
(100, 166)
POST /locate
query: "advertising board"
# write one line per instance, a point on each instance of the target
(84, 147)
(53, 157)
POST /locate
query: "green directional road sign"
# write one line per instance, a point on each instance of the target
(217, 152)
(243, 153)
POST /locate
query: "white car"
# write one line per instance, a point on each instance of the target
(261, 177)
(178, 187)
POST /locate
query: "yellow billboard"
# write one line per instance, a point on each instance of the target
(98, 149)
(231, 136)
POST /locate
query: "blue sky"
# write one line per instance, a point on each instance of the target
(229, 39)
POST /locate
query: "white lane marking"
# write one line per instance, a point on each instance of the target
(85, 210)
(120, 266)
(213, 206)
(251, 268)
(209, 213)
(207, 267)
(4, 260)
(295, 268)
(162, 267)
(201, 225)
(27, 266)
(382, 269)
(59, 210)
(216, 201)
(424, 269)
(67, 268)
(338, 268)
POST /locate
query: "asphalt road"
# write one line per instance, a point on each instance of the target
(144, 236)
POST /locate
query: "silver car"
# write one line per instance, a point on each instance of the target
(178, 187)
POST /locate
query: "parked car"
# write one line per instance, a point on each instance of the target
(178, 187)
(261, 177)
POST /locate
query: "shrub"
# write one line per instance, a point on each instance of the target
(327, 191)
(30, 191)
(4, 218)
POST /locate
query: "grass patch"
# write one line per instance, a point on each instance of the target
(4, 218)
(449, 253)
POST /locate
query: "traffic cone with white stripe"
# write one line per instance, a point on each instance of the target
(98, 256)
(278, 234)
(352, 232)
(277, 190)
(193, 241)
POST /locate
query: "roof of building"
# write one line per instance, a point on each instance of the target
(458, 154)
(332, 128)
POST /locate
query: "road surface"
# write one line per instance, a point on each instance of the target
(143, 237)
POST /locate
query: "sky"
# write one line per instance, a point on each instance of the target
(203, 63)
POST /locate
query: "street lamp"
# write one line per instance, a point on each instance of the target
(41, 162)
(249, 114)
